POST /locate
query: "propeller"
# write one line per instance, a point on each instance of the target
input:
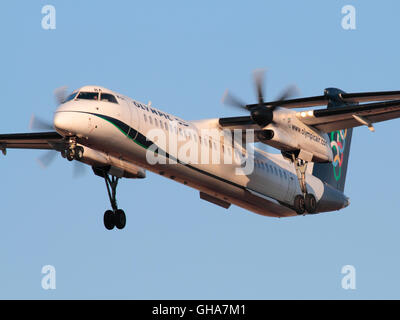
(60, 94)
(38, 124)
(47, 158)
(260, 113)
(78, 170)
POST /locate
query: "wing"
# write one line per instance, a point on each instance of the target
(345, 97)
(350, 116)
(37, 140)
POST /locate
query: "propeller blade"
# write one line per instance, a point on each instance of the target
(259, 75)
(79, 169)
(46, 159)
(38, 124)
(60, 94)
(289, 92)
(231, 100)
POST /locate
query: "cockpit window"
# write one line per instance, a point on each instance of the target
(70, 97)
(88, 95)
(108, 97)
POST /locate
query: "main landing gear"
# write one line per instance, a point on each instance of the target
(72, 152)
(305, 202)
(115, 217)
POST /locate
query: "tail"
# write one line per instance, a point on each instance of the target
(334, 173)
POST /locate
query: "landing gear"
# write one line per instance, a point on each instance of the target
(74, 153)
(109, 220)
(310, 203)
(306, 201)
(115, 217)
(299, 204)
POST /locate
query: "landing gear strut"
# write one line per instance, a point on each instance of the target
(115, 217)
(306, 201)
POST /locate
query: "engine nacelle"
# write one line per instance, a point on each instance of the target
(115, 166)
(306, 146)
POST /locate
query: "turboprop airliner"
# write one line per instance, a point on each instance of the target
(120, 137)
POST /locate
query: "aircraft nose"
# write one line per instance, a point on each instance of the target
(59, 122)
(65, 123)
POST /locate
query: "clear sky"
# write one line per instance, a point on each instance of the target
(182, 55)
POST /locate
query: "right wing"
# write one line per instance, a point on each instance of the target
(37, 140)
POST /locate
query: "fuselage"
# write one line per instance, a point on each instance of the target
(198, 154)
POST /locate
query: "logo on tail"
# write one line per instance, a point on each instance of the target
(338, 145)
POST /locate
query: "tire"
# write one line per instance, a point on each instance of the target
(70, 154)
(109, 220)
(299, 204)
(310, 203)
(120, 219)
(78, 153)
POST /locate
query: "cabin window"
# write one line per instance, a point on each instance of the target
(108, 98)
(88, 95)
(145, 118)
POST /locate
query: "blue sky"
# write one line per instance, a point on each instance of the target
(182, 56)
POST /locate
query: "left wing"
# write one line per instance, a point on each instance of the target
(37, 140)
(349, 116)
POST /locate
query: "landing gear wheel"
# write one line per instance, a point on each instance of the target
(310, 203)
(120, 219)
(299, 204)
(78, 153)
(70, 154)
(109, 220)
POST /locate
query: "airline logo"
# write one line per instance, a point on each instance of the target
(338, 145)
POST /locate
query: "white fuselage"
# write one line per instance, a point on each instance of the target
(127, 129)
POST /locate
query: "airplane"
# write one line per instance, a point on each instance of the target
(120, 137)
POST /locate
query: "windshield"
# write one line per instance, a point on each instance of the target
(88, 95)
(70, 97)
(108, 97)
